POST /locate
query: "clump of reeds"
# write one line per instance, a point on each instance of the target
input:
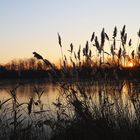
(108, 117)
(83, 110)
(86, 62)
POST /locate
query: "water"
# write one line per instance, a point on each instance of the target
(47, 99)
(26, 90)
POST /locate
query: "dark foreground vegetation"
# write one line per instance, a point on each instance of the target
(83, 110)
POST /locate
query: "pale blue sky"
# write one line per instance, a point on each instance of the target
(32, 25)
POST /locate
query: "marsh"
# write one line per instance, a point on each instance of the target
(63, 110)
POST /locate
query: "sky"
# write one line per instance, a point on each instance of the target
(32, 25)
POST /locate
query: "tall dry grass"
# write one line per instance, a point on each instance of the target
(84, 110)
(100, 56)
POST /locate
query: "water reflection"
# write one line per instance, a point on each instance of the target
(26, 91)
(41, 108)
(117, 92)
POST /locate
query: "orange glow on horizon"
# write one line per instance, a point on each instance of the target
(130, 65)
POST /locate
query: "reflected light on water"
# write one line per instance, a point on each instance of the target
(97, 91)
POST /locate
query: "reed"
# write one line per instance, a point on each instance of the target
(82, 115)
(118, 58)
(86, 108)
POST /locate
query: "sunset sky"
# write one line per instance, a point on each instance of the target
(32, 25)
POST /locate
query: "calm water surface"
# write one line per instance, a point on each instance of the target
(117, 91)
(46, 95)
